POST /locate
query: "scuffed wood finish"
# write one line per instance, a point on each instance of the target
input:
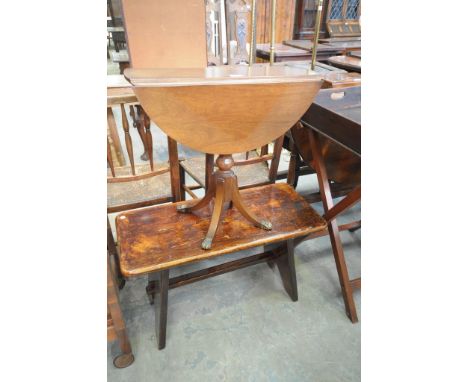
(166, 34)
(232, 113)
(157, 238)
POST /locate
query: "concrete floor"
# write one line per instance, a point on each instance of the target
(242, 326)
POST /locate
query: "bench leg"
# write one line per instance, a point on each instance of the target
(163, 297)
(287, 269)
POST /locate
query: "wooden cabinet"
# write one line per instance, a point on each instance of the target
(304, 25)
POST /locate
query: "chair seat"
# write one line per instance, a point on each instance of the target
(144, 191)
(249, 175)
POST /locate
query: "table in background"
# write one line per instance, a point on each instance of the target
(284, 52)
(348, 63)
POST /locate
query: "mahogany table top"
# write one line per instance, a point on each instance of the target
(159, 237)
(225, 109)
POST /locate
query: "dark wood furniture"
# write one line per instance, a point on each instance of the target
(328, 49)
(286, 52)
(157, 239)
(233, 108)
(323, 50)
(115, 322)
(349, 63)
(330, 142)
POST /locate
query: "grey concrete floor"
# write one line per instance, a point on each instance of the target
(242, 326)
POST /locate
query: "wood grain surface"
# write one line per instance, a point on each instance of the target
(157, 238)
(225, 110)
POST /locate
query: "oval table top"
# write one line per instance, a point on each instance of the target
(225, 109)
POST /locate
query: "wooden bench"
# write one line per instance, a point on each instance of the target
(156, 239)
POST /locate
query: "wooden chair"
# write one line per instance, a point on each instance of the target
(329, 141)
(251, 168)
(136, 185)
(115, 323)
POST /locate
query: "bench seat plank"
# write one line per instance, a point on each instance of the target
(157, 238)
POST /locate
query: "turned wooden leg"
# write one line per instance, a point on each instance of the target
(163, 298)
(239, 204)
(126, 358)
(112, 248)
(216, 215)
(287, 269)
(333, 229)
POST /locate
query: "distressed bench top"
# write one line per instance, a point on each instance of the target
(156, 238)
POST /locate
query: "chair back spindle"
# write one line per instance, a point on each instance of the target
(128, 138)
(149, 139)
(109, 158)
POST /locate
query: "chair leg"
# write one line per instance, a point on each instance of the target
(182, 182)
(287, 269)
(327, 200)
(126, 358)
(112, 248)
(163, 299)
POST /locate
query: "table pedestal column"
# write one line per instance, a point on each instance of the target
(223, 188)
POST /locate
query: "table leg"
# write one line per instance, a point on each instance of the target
(319, 165)
(163, 299)
(287, 269)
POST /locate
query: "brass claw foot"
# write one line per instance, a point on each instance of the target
(206, 244)
(266, 225)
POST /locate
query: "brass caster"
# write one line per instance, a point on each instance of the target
(206, 244)
(266, 225)
(123, 360)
